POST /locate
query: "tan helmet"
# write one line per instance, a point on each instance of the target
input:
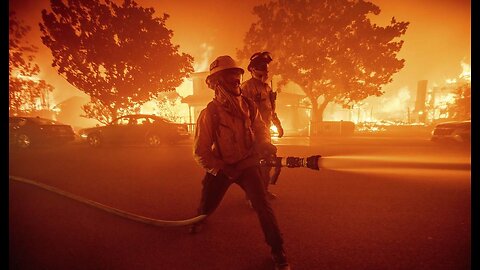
(223, 62)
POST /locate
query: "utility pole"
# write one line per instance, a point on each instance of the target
(358, 115)
(408, 114)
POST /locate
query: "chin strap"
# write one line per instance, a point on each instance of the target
(118, 212)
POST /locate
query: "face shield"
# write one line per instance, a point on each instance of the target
(261, 75)
(259, 65)
(229, 80)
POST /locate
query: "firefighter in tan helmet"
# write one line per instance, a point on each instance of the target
(257, 89)
(228, 131)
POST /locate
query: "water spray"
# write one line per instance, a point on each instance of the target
(315, 162)
(351, 163)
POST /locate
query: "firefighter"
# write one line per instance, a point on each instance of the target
(257, 89)
(228, 131)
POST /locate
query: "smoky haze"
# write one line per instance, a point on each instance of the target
(376, 201)
(437, 40)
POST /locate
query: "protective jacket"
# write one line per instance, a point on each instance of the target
(231, 140)
(259, 92)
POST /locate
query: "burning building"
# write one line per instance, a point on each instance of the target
(450, 100)
(200, 97)
(290, 109)
(70, 112)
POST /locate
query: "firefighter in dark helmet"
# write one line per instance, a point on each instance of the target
(257, 89)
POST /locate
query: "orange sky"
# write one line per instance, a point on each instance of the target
(437, 40)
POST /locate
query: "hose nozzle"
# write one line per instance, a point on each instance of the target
(311, 162)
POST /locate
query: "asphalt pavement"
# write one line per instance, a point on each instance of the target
(415, 214)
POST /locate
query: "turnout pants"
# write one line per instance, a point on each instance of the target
(265, 174)
(251, 181)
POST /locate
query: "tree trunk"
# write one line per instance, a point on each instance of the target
(113, 114)
(317, 115)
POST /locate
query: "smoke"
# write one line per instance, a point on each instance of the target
(205, 58)
(186, 88)
(398, 103)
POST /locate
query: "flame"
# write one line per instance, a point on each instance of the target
(149, 108)
(45, 101)
(466, 72)
(397, 103)
(447, 96)
(28, 78)
(180, 111)
(55, 109)
(443, 100)
(273, 129)
(465, 75)
(336, 116)
(176, 112)
(451, 81)
(186, 88)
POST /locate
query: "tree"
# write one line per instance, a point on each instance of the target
(169, 106)
(27, 93)
(120, 55)
(329, 48)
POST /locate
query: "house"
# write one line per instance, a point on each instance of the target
(293, 115)
(70, 111)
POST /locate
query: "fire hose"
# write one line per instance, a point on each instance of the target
(313, 162)
(291, 162)
(118, 212)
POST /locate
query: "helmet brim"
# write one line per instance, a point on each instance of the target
(218, 69)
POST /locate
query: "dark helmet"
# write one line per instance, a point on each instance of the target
(259, 61)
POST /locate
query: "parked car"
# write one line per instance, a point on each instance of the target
(133, 129)
(454, 131)
(27, 131)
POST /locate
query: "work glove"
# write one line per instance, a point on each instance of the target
(266, 149)
(280, 131)
(230, 172)
(277, 124)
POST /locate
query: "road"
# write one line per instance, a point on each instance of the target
(341, 217)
